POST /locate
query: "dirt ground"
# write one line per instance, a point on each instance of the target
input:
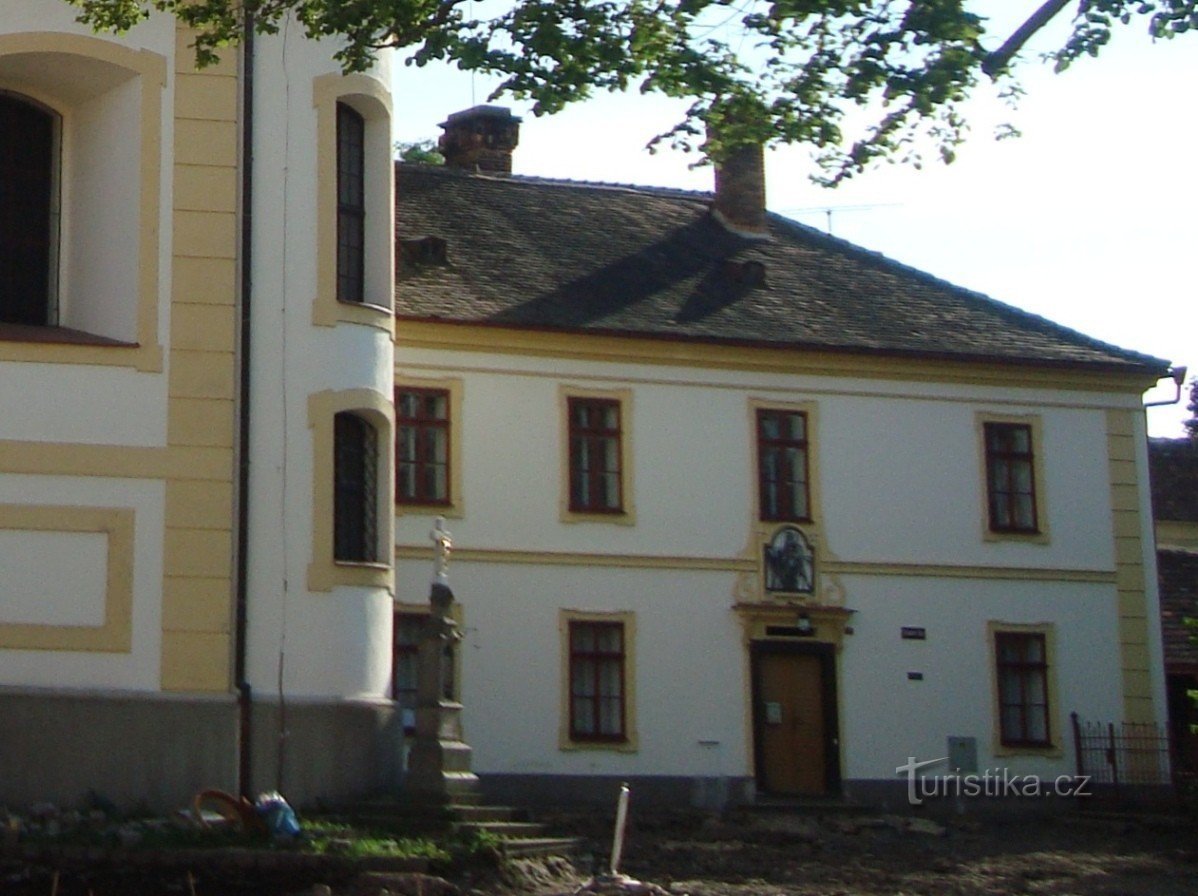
(787, 855)
(770, 854)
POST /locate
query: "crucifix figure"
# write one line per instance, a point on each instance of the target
(443, 543)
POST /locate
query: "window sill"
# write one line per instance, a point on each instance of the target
(63, 345)
(1048, 751)
(611, 746)
(362, 564)
(1040, 537)
(616, 517)
(369, 306)
(56, 336)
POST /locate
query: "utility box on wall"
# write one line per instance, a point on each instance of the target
(963, 754)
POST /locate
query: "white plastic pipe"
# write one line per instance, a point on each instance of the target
(617, 846)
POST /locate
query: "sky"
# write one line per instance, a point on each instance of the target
(1087, 219)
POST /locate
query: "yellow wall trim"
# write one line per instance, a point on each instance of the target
(564, 741)
(1174, 535)
(325, 573)
(1132, 598)
(1056, 734)
(151, 71)
(1000, 573)
(116, 633)
(626, 516)
(751, 565)
(576, 558)
(640, 350)
(456, 509)
(371, 99)
(198, 544)
(113, 461)
(1039, 480)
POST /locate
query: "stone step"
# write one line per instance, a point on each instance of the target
(487, 813)
(807, 806)
(539, 847)
(502, 828)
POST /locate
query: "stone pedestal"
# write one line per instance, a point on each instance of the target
(439, 763)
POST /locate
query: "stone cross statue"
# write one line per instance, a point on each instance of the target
(443, 542)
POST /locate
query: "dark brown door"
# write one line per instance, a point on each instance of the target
(792, 722)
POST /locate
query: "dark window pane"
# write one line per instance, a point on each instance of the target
(1010, 478)
(355, 489)
(351, 204)
(1022, 688)
(782, 463)
(595, 477)
(422, 446)
(27, 167)
(596, 674)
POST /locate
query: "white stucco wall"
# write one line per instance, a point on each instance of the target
(68, 604)
(336, 643)
(899, 466)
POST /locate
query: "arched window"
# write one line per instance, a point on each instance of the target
(28, 221)
(351, 205)
(355, 489)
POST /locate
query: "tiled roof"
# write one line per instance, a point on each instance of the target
(563, 255)
(1173, 470)
(1178, 576)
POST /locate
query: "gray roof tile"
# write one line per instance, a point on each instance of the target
(1173, 470)
(564, 255)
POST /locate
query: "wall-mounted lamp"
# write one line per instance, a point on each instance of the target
(1178, 375)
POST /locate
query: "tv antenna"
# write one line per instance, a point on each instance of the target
(827, 210)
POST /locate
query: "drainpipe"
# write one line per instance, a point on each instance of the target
(244, 693)
(1178, 375)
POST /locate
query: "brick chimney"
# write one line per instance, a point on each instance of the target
(480, 139)
(740, 191)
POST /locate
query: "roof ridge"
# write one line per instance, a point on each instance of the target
(565, 182)
(1041, 322)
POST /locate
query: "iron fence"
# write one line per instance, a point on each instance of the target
(1128, 753)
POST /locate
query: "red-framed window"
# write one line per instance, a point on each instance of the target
(596, 478)
(422, 446)
(1022, 660)
(405, 665)
(783, 482)
(351, 205)
(1011, 478)
(597, 685)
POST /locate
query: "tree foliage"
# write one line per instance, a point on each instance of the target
(791, 71)
(419, 152)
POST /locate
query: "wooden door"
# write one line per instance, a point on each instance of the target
(791, 724)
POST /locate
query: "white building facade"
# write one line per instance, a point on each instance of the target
(704, 545)
(156, 285)
(726, 687)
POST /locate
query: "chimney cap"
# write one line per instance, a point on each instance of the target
(481, 111)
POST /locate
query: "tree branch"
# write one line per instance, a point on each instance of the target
(998, 60)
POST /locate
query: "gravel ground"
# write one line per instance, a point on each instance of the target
(769, 854)
(779, 854)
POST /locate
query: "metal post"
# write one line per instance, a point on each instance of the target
(617, 846)
(1112, 756)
